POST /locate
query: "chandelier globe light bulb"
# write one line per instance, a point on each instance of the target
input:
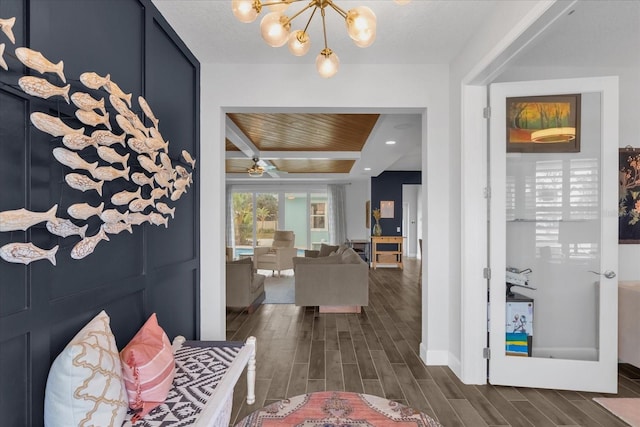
(244, 11)
(299, 43)
(327, 63)
(361, 25)
(275, 29)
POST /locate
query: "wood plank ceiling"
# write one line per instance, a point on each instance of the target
(281, 132)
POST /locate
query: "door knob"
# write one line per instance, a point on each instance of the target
(608, 274)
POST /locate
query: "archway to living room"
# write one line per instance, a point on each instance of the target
(301, 156)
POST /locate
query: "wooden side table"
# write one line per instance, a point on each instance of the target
(388, 256)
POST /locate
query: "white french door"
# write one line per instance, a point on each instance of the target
(555, 213)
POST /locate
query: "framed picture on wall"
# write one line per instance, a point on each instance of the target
(367, 213)
(386, 208)
(629, 195)
(543, 124)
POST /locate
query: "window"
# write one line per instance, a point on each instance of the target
(318, 216)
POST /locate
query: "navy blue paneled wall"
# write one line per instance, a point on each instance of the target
(388, 186)
(153, 269)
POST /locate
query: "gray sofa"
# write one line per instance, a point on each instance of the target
(245, 288)
(339, 283)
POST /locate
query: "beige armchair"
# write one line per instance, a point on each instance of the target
(279, 256)
(244, 287)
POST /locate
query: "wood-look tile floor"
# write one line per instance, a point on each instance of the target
(377, 352)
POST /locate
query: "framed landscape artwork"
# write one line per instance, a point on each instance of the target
(543, 124)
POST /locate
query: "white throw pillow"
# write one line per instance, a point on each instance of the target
(85, 385)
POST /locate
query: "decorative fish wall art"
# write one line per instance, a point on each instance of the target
(133, 189)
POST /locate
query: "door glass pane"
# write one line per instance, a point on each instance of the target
(266, 218)
(553, 246)
(295, 217)
(318, 219)
(242, 223)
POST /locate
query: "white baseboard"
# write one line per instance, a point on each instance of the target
(434, 357)
(455, 365)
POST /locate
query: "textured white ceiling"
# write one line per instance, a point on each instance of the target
(421, 32)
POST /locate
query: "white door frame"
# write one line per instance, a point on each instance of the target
(474, 144)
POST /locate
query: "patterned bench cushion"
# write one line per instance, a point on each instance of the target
(200, 366)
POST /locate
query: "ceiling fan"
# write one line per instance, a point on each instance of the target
(259, 167)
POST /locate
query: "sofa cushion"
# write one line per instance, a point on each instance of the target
(242, 261)
(333, 259)
(85, 384)
(257, 282)
(325, 250)
(349, 256)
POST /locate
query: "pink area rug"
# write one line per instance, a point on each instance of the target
(337, 409)
(625, 408)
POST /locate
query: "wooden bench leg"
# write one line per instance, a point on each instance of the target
(251, 372)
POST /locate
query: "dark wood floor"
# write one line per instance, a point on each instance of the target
(377, 352)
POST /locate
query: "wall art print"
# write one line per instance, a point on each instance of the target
(543, 124)
(135, 164)
(629, 196)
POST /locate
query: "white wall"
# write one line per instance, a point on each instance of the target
(422, 89)
(629, 79)
(357, 195)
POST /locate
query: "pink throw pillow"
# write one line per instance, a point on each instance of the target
(148, 368)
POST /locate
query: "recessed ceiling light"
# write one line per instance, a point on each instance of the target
(390, 142)
(367, 169)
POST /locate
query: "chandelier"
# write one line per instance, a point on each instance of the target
(276, 27)
(256, 170)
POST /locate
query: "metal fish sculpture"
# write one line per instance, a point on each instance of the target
(110, 155)
(124, 197)
(72, 159)
(87, 245)
(147, 111)
(182, 171)
(92, 118)
(177, 194)
(108, 173)
(77, 141)
(36, 60)
(156, 144)
(138, 205)
(86, 102)
(36, 86)
(114, 89)
(117, 227)
(161, 179)
(21, 219)
(83, 183)
(6, 26)
(65, 228)
(157, 219)
(148, 164)
(137, 123)
(93, 80)
(52, 125)
(158, 193)
(24, 253)
(142, 179)
(181, 183)
(166, 162)
(84, 210)
(155, 133)
(187, 158)
(3, 63)
(113, 215)
(137, 218)
(106, 138)
(140, 147)
(121, 107)
(126, 126)
(164, 209)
